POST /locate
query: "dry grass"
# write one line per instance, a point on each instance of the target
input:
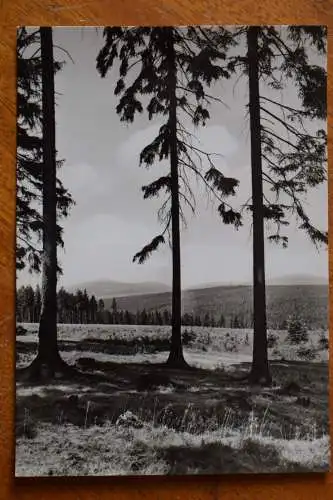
(111, 422)
(132, 447)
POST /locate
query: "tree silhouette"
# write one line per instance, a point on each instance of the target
(260, 367)
(48, 360)
(29, 300)
(93, 309)
(286, 155)
(100, 313)
(294, 159)
(174, 68)
(222, 321)
(62, 305)
(37, 304)
(85, 306)
(30, 154)
(114, 309)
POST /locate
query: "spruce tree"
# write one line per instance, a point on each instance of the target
(93, 309)
(115, 315)
(286, 155)
(101, 310)
(85, 306)
(30, 154)
(260, 367)
(48, 361)
(174, 67)
(38, 304)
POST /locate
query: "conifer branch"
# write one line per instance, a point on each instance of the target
(147, 250)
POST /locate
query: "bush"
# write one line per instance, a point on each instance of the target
(20, 330)
(230, 344)
(297, 331)
(323, 342)
(188, 337)
(207, 339)
(306, 353)
(129, 419)
(272, 340)
(276, 352)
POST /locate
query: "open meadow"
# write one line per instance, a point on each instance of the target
(126, 413)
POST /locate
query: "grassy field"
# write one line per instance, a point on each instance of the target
(307, 301)
(124, 413)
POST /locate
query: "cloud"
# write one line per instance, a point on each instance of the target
(82, 180)
(103, 245)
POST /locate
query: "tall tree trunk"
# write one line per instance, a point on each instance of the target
(176, 357)
(48, 360)
(260, 372)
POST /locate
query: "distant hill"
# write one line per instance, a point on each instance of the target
(288, 280)
(310, 302)
(110, 289)
(299, 279)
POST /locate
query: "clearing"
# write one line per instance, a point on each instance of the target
(125, 413)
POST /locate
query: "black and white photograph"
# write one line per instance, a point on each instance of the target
(171, 251)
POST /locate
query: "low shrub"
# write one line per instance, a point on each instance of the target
(323, 342)
(297, 331)
(276, 353)
(230, 344)
(306, 353)
(20, 330)
(272, 340)
(188, 337)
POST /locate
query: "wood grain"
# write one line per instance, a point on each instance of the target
(126, 12)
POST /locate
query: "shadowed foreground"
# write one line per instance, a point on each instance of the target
(117, 418)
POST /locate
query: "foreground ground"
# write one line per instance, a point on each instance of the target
(126, 414)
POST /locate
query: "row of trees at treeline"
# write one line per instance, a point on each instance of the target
(167, 73)
(80, 308)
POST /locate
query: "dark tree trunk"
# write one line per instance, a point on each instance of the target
(48, 361)
(260, 372)
(176, 357)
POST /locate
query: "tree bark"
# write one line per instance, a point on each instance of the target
(260, 372)
(176, 357)
(48, 361)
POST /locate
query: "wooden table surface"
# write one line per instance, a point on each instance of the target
(125, 12)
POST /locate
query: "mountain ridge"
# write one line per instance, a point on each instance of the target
(111, 288)
(292, 280)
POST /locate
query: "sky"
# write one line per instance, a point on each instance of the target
(111, 221)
